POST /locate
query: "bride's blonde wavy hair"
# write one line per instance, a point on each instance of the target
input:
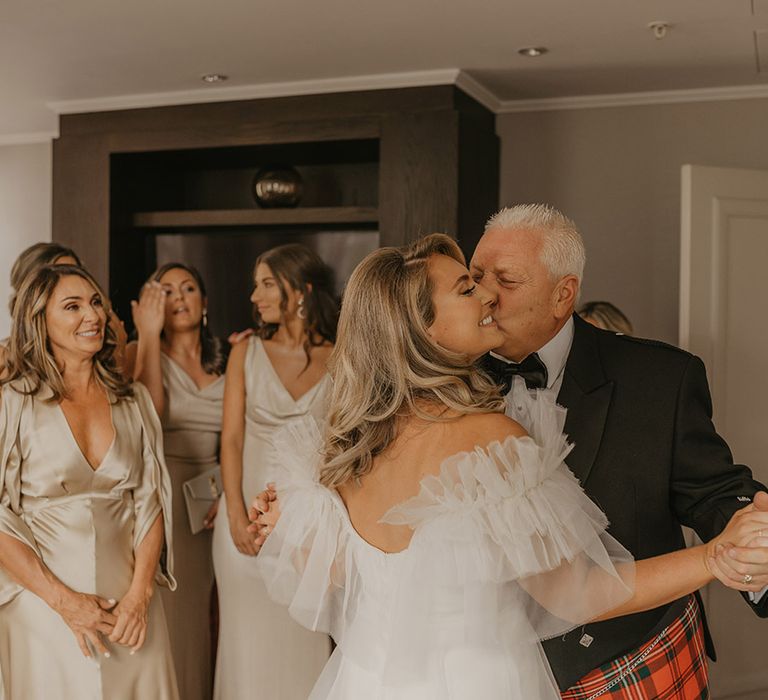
(385, 366)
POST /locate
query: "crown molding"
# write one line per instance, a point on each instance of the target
(448, 76)
(31, 137)
(354, 83)
(634, 99)
(478, 91)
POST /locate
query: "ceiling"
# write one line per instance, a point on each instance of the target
(82, 55)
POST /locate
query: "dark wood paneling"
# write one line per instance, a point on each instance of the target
(437, 164)
(242, 134)
(256, 217)
(310, 108)
(418, 185)
(478, 178)
(81, 200)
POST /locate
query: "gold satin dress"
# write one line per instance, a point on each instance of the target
(191, 435)
(85, 524)
(263, 653)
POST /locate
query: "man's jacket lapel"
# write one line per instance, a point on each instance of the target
(586, 393)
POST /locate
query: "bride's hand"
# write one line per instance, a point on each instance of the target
(738, 557)
(264, 514)
(261, 503)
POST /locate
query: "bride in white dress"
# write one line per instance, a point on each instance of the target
(433, 537)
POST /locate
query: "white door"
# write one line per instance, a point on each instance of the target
(724, 320)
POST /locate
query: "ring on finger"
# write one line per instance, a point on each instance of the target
(747, 579)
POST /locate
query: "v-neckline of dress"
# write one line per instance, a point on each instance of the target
(69, 430)
(279, 382)
(188, 377)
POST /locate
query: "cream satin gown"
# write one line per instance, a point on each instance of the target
(191, 433)
(85, 524)
(263, 654)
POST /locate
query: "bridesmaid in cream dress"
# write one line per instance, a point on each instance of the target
(278, 375)
(85, 506)
(182, 365)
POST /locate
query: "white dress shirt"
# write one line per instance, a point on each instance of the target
(554, 355)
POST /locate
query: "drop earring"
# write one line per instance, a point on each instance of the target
(205, 318)
(301, 312)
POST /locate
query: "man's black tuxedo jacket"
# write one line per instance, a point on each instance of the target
(639, 415)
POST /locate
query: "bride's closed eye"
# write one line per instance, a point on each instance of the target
(469, 292)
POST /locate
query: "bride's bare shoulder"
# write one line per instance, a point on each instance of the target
(479, 430)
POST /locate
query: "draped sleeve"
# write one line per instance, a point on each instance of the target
(304, 560)
(11, 523)
(153, 495)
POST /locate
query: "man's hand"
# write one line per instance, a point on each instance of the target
(740, 558)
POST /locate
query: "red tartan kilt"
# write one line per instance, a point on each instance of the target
(671, 666)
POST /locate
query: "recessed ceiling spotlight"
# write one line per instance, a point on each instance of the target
(214, 78)
(532, 51)
(659, 28)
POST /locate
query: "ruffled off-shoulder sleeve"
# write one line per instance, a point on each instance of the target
(512, 515)
(303, 562)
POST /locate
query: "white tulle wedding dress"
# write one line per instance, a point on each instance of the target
(506, 550)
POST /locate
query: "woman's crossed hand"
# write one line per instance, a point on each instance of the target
(130, 628)
(89, 617)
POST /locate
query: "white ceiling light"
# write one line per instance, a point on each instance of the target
(214, 78)
(659, 28)
(533, 51)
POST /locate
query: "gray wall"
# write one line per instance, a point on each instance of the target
(25, 209)
(616, 171)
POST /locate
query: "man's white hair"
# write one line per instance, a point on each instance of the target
(562, 250)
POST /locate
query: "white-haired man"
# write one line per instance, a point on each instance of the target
(639, 414)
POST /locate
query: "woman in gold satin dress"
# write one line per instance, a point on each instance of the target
(279, 374)
(85, 507)
(182, 365)
(30, 260)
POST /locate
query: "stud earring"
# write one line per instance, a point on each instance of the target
(301, 312)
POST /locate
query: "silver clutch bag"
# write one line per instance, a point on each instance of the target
(199, 495)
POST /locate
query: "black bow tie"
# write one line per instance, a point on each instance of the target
(531, 369)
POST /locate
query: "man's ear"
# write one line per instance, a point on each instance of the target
(566, 294)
